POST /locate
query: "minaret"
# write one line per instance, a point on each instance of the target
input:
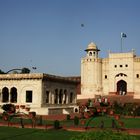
(91, 73)
(92, 50)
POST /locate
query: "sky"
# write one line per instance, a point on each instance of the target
(47, 34)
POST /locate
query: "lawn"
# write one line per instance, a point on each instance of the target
(128, 122)
(9, 133)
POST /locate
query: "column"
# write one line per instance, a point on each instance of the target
(58, 98)
(67, 98)
(52, 99)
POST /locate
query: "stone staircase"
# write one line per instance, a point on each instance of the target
(128, 98)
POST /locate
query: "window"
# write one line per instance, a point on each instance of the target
(137, 75)
(115, 66)
(13, 95)
(5, 94)
(105, 76)
(121, 66)
(126, 65)
(29, 96)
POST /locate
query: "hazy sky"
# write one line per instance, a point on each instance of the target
(47, 34)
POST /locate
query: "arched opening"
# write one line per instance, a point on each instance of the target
(47, 96)
(60, 96)
(5, 94)
(121, 87)
(13, 95)
(65, 96)
(71, 97)
(90, 53)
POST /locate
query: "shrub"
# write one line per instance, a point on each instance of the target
(9, 108)
(76, 120)
(56, 124)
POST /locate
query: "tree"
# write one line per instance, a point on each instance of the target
(2, 72)
(25, 70)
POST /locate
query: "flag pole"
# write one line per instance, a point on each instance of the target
(123, 35)
(121, 44)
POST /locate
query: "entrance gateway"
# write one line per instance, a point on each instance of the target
(121, 87)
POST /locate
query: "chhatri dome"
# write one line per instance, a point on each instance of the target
(92, 46)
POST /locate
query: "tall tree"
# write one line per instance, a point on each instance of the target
(25, 70)
(2, 72)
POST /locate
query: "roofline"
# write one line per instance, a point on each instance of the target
(39, 76)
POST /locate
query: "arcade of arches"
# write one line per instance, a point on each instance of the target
(9, 95)
(60, 97)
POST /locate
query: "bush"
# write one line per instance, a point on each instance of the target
(76, 120)
(103, 135)
(56, 124)
(9, 108)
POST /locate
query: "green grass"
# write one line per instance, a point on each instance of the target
(128, 122)
(131, 122)
(9, 133)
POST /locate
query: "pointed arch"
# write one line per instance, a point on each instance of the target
(13, 95)
(121, 87)
(60, 96)
(5, 94)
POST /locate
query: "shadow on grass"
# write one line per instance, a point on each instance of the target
(19, 135)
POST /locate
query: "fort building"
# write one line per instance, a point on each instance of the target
(118, 74)
(42, 93)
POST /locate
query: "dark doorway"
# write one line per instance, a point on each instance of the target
(121, 87)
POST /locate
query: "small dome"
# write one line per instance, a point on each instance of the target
(92, 46)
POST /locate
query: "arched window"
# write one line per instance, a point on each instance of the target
(71, 97)
(13, 94)
(90, 53)
(5, 94)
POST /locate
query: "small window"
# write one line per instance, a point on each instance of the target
(126, 65)
(137, 75)
(115, 66)
(29, 96)
(105, 76)
(121, 66)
